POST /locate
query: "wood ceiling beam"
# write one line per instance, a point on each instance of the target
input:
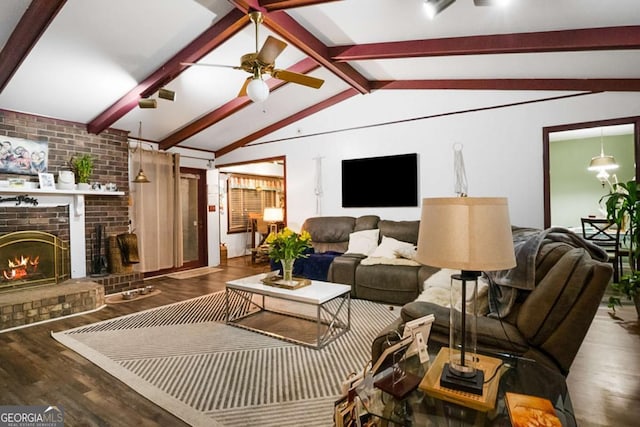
(610, 38)
(336, 99)
(300, 37)
(297, 35)
(213, 37)
(33, 23)
(272, 5)
(305, 66)
(591, 85)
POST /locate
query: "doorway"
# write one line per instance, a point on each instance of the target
(237, 240)
(570, 190)
(193, 194)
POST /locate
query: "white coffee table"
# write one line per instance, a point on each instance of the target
(314, 302)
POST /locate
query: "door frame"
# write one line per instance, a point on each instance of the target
(203, 253)
(634, 120)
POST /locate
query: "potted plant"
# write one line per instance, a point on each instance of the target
(82, 167)
(623, 207)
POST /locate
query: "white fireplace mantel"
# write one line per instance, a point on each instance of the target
(75, 200)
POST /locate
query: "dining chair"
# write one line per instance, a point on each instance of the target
(606, 234)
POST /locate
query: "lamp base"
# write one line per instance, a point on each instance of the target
(468, 383)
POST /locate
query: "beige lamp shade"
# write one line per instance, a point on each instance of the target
(466, 233)
(602, 162)
(273, 214)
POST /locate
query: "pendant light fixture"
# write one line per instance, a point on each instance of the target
(141, 178)
(602, 162)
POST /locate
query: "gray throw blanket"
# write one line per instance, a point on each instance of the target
(505, 284)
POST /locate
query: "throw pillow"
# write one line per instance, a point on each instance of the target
(389, 246)
(363, 242)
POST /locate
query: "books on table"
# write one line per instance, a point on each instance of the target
(531, 411)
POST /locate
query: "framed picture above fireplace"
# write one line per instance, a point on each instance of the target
(23, 156)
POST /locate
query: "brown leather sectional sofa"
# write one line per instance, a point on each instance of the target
(391, 284)
(547, 323)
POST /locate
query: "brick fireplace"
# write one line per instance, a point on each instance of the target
(71, 217)
(63, 216)
(45, 275)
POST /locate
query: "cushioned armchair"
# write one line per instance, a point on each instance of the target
(547, 324)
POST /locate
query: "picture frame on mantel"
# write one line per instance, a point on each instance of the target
(23, 156)
(47, 181)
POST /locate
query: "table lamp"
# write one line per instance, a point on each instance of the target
(470, 234)
(273, 216)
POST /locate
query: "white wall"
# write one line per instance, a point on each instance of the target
(502, 149)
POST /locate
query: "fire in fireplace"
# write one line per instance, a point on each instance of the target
(21, 268)
(29, 258)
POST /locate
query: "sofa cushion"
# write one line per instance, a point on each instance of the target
(393, 284)
(405, 231)
(366, 222)
(343, 270)
(548, 256)
(492, 334)
(541, 312)
(330, 233)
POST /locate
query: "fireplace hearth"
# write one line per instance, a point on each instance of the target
(32, 258)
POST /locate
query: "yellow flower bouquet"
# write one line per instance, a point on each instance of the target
(286, 246)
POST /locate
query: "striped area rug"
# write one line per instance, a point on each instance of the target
(186, 360)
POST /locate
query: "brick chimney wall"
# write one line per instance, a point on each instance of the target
(66, 139)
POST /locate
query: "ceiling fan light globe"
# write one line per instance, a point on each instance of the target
(257, 90)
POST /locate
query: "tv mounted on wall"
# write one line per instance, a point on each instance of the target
(387, 181)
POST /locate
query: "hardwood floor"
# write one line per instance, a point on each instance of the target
(604, 381)
(36, 370)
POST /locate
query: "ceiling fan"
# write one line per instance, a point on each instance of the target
(262, 62)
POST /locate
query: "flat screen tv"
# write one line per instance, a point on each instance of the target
(387, 181)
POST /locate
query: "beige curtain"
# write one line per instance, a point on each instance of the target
(156, 214)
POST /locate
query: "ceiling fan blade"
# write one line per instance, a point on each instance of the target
(243, 89)
(235, 67)
(301, 79)
(270, 50)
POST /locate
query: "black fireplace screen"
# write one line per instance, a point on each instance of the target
(29, 258)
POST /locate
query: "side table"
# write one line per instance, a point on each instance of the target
(519, 375)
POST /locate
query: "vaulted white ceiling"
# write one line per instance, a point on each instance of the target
(90, 61)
